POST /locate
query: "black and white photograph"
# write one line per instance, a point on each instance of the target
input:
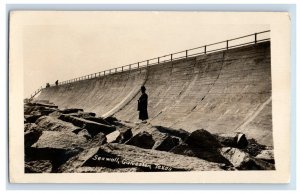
(147, 92)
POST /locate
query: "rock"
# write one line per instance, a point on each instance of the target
(32, 118)
(29, 126)
(47, 111)
(57, 156)
(266, 155)
(74, 163)
(121, 135)
(254, 148)
(120, 156)
(243, 161)
(56, 146)
(98, 140)
(174, 132)
(202, 139)
(35, 113)
(86, 114)
(142, 140)
(31, 136)
(113, 136)
(53, 124)
(125, 135)
(92, 127)
(84, 133)
(71, 110)
(183, 149)
(237, 140)
(55, 114)
(111, 120)
(167, 143)
(38, 110)
(201, 144)
(59, 140)
(39, 166)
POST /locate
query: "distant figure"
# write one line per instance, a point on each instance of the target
(47, 85)
(56, 83)
(142, 105)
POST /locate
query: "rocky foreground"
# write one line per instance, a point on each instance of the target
(71, 140)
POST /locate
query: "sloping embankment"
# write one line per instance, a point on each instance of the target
(222, 92)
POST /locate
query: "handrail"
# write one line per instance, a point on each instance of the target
(35, 93)
(171, 57)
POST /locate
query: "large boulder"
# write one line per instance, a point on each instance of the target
(142, 140)
(53, 124)
(59, 140)
(201, 144)
(202, 139)
(118, 157)
(56, 146)
(92, 127)
(243, 161)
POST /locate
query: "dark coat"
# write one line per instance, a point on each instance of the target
(142, 106)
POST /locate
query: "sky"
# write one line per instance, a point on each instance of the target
(65, 45)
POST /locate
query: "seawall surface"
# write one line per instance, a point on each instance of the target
(222, 92)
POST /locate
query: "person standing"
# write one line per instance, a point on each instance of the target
(143, 104)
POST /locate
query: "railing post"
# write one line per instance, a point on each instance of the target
(157, 59)
(109, 71)
(147, 63)
(104, 73)
(171, 57)
(122, 68)
(255, 38)
(129, 67)
(226, 44)
(138, 65)
(116, 70)
(186, 53)
(205, 49)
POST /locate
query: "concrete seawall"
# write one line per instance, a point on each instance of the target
(222, 92)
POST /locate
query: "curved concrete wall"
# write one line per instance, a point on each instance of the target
(221, 92)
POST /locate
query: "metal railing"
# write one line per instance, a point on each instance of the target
(35, 93)
(205, 49)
